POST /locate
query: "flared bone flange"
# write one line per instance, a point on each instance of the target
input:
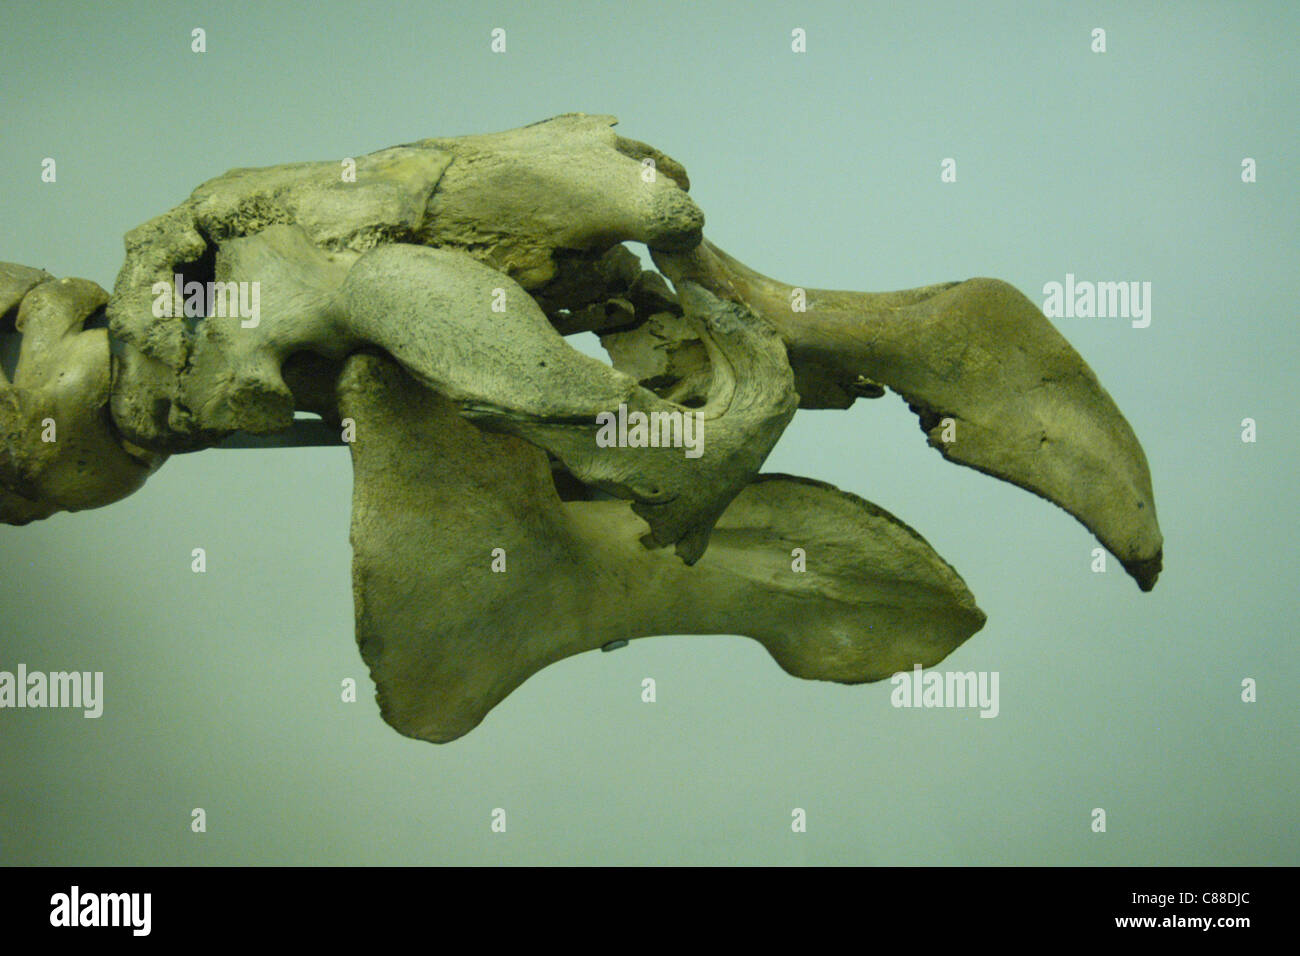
(447, 638)
(426, 302)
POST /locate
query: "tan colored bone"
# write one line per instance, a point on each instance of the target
(378, 305)
(447, 638)
(515, 200)
(59, 450)
(509, 370)
(1026, 407)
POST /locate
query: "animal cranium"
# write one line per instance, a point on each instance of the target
(422, 305)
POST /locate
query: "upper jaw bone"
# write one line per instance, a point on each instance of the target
(996, 386)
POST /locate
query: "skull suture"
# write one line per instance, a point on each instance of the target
(426, 301)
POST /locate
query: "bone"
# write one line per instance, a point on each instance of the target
(426, 300)
(511, 371)
(387, 203)
(569, 183)
(15, 282)
(60, 451)
(447, 638)
(1027, 408)
(665, 354)
(469, 332)
(522, 201)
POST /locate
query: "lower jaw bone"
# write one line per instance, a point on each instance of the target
(470, 574)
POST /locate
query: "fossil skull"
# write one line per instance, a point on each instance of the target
(423, 302)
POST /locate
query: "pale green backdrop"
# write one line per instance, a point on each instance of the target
(822, 169)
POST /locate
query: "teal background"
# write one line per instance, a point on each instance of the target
(822, 169)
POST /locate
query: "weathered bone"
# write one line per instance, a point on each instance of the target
(433, 310)
(447, 638)
(378, 300)
(524, 201)
(1027, 409)
(59, 450)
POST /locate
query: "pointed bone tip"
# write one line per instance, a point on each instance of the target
(692, 547)
(689, 548)
(967, 618)
(1145, 571)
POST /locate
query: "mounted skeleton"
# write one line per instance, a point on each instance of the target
(425, 299)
